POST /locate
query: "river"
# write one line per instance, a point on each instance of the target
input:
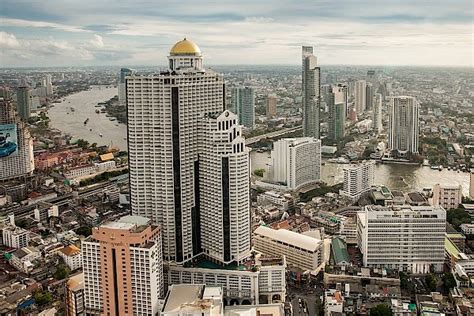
(83, 103)
(394, 176)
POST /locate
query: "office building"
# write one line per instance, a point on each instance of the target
(377, 113)
(181, 137)
(71, 256)
(369, 96)
(360, 93)
(406, 238)
(122, 93)
(75, 296)
(15, 237)
(17, 160)
(404, 127)
(296, 162)
(122, 265)
(23, 102)
(271, 105)
(193, 300)
(358, 179)
(301, 251)
(337, 112)
(243, 101)
(447, 196)
(311, 87)
(47, 83)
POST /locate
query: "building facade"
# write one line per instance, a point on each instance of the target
(243, 101)
(271, 105)
(296, 161)
(360, 94)
(122, 92)
(407, 238)
(337, 112)
(448, 197)
(377, 113)
(23, 102)
(75, 296)
(123, 268)
(369, 96)
(15, 237)
(404, 127)
(311, 87)
(358, 179)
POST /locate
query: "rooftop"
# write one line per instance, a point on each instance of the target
(70, 250)
(193, 299)
(289, 237)
(263, 310)
(339, 250)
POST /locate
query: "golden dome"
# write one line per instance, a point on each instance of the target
(185, 47)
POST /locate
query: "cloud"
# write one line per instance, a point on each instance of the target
(8, 41)
(97, 41)
(40, 24)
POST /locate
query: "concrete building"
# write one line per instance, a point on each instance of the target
(337, 112)
(360, 96)
(75, 296)
(333, 302)
(122, 92)
(18, 163)
(170, 114)
(301, 251)
(467, 229)
(243, 101)
(404, 127)
(377, 113)
(122, 264)
(262, 310)
(15, 237)
(407, 238)
(471, 185)
(271, 105)
(448, 197)
(193, 300)
(369, 96)
(358, 179)
(22, 259)
(23, 102)
(72, 257)
(296, 162)
(311, 87)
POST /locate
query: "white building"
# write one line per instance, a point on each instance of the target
(168, 115)
(467, 229)
(377, 113)
(23, 258)
(272, 197)
(333, 302)
(296, 161)
(360, 96)
(193, 300)
(15, 237)
(243, 103)
(311, 87)
(448, 197)
(301, 251)
(408, 238)
(358, 179)
(72, 257)
(404, 127)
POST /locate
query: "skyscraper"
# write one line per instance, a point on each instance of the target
(377, 113)
(360, 93)
(311, 87)
(404, 127)
(369, 96)
(123, 268)
(174, 120)
(271, 105)
(23, 102)
(337, 111)
(243, 101)
(121, 84)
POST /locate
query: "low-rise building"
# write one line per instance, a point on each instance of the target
(15, 237)
(22, 259)
(448, 197)
(333, 302)
(467, 229)
(193, 300)
(72, 257)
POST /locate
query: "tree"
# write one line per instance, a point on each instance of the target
(84, 144)
(458, 216)
(62, 272)
(381, 310)
(448, 281)
(43, 298)
(22, 223)
(85, 231)
(259, 172)
(431, 282)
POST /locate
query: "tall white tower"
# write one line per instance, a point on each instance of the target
(165, 121)
(360, 96)
(311, 87)
(404, 127)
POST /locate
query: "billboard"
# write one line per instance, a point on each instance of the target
(8, 140)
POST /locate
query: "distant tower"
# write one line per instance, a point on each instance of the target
(471, 185)
(369, 96)
(23, 102)
(404, 127)
(311, 87)
(337, 111)
(271, 105)
(377, 113)
(360, 96)
(243, 101)
(124, 72)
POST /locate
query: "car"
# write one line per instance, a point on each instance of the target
(7, 149)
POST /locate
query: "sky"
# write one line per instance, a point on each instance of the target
(141, 32)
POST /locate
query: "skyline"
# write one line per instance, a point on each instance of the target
(346, 33)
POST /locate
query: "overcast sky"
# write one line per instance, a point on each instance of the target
(141, 32)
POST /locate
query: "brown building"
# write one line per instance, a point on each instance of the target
(271, 105)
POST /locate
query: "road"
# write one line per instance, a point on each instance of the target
(252, 140)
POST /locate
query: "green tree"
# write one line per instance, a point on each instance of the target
(43, 298)
(85, 231)
(259, 172)
(431, 282)
(458, 216)
(448, 281)
(22, 223)
(381, 310)
(62, 272)
(84, 144)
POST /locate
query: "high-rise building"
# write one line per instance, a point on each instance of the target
(16, 143)
(47, 83)
(296, 162)
(123, 268)
(75, 295)
(271, 105)
(174, 120)
(369, 96)
(360, 92)
(404, 127)
(311, 87)
(377, 113)
(447, 196)
(406, 238)
(358, 179)
(471, 185)
(337, 111)
(23, 102)
(122, 93)
(243, 101)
